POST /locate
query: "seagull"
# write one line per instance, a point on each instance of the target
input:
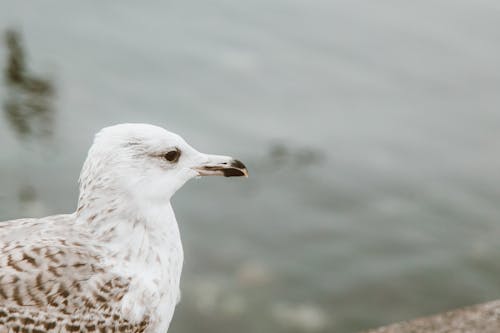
(115, 264)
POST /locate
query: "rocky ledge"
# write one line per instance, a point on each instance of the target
(483, 318)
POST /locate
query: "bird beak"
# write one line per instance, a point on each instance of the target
(226, 166)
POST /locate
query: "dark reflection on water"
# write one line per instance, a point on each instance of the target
(27, 194)
(283, 154)
(29, 105)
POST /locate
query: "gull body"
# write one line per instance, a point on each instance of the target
(115, 264)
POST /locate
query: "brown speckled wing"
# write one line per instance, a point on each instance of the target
(56, 285)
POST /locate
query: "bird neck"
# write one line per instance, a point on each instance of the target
(132, 229)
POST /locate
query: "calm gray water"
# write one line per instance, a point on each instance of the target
(371, 131)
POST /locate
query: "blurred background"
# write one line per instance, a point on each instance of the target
(371, 131)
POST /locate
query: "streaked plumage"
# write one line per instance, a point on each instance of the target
(115, 264)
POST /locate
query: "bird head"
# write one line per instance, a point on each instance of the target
(148, 162)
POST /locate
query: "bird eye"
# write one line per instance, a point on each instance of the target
(173, 155)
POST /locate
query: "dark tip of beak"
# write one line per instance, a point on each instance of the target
(238, 164)
(233, 172)
(236, 169)
(232, 168)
